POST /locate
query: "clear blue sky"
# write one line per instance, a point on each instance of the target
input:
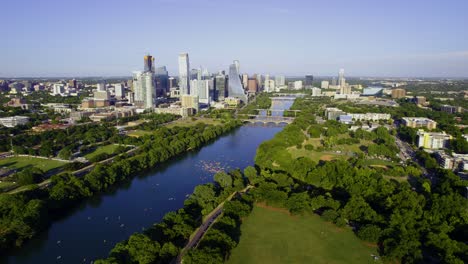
(292, 37)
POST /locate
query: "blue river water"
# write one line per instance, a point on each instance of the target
(92, 229)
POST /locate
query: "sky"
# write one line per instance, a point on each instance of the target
(381, 38)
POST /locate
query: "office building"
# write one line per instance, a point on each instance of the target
(309, 80)
(430, 140)
(235, 88)
(316, 91)
(341, 78)
(398, 93)
(245, 80)
(280, 80)
(419, 122)
(324, 84)
(266, 84)
(298, 85)
(220, 87)
(72, 83)
(259, 82)
(148, 63)
(58, 89)
(144, 89)
(161, 76)
(252, 85)
(119, 90)
(101, 86)
(189, 101)
(184, 85)
(420, 100)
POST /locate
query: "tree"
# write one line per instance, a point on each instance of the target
(223, 179)
(370, 233)
(29, 175)
(298, 203)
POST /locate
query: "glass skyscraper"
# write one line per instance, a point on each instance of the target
(235, 88)
(184, 84)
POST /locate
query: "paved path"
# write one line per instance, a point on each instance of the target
(207, 223)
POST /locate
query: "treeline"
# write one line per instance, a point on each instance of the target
(419, 222)
(162, 242)
(23, 215)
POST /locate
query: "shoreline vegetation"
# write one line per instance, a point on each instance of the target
(24, 215)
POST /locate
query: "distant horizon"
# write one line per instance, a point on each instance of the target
(297, 37)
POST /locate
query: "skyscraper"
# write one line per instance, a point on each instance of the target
(149, 63)
(144, 88)
(341, 78)
(235, 88)
(309, 79)
(220, 87)
(245, 80)
(184, 66)
(161, 79)
(280, 80)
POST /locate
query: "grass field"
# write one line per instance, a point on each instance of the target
(109, 149)
(272, 236)
(139, 133)
(20, 163)
(189, 122)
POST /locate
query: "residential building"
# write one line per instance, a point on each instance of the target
(280, 80)
(245, 80)
(419, 122)
(431, 140)
(451, 109)
(298, 85)
(316, 91)
(398, 93)
(190, 101)
(252, 85)
(220, 87)
(370, 116)
(119, 91)
(420, 100)
(148, 63)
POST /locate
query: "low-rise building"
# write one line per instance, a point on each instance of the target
(419, 122)
(398, 93)
(232, 101)
(370, 116)
(333, 113)
(452, 162)
(13, 121)
(451, 109)
(433, 140)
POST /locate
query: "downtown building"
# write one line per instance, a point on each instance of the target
(184, 74)
(235, 88)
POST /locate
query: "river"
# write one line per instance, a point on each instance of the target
(92, 229)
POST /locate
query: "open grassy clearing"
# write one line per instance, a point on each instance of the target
(20, 163)
(109, 149)
(189, 122)
(271, 235)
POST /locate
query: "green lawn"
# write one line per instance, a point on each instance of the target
(138, 133)
(6, 185)
(273, 236)
(24, 162)
(109, 149)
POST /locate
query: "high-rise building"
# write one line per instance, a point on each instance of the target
(298, 85)
(236, 62)
(252, 85)
(149, 63)
(316, 91)
(220, 87)
(259, 82)
(58, 89)
(245, 80)
(144, 88)
(101, 86)
(161, 79)
(333, 82)
(309, 79)
(72, 83)
(119, 90)
(184, 76)
(235, 88)
(266, 85)
(172, 82)
(280, 80)
(341, 78)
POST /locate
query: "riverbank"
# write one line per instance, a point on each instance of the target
(140, 202)
(20, 226)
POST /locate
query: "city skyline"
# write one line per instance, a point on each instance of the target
(397, 39)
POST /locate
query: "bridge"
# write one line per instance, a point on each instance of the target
(265, 120)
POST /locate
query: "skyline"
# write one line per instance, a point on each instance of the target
(368, 39)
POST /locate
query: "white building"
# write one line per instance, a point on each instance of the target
(371, 116)
(58, 89)
(119, 90)
(144, 88)
(316, 91)
(298, 85)
(13, 121)
(325, 84)
(184, 74)
(431, 140)
(280, 80)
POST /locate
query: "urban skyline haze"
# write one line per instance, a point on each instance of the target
(109, 38)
